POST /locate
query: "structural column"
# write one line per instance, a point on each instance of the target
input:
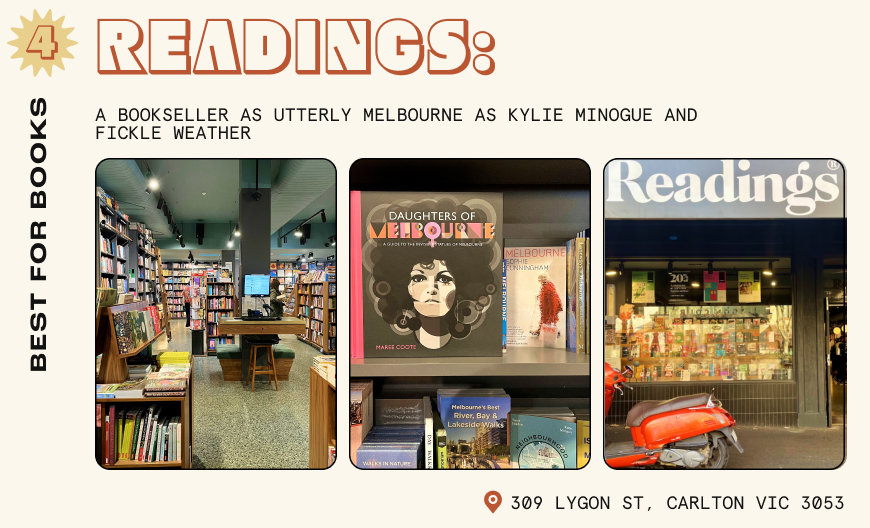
(808, 325)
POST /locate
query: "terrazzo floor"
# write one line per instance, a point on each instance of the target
(235, 428)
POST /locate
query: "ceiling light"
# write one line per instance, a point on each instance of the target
(695, 285)
(298, 231)
(610, 272)
(769, 270)
(153, 183)
(203, 194)
(230, 243)
(710, 267)
(773, 283)
(160, 201)
(323, 216)
(147, 190)
(310, 255)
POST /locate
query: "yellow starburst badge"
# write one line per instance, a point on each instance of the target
(42, 43)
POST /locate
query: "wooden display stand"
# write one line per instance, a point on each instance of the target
(113, 366)
(321, 420)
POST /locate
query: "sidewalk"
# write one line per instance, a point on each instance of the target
(774, 447)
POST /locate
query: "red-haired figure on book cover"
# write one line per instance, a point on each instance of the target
(550, 306)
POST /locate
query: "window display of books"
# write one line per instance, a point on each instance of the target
(670, 343)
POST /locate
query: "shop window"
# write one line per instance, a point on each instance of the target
(672, 323)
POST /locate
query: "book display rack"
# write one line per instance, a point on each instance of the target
(220, 303)
(316, 304)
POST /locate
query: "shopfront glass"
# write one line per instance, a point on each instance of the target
(686, 321)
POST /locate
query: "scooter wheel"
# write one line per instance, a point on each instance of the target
(718, 454)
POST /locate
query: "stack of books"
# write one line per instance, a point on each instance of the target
(173, 358)
(320, 363)
(392, 447)
(106, 390)
(137, 372)
(170, 381)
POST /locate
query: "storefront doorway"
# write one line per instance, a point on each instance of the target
(837, 364)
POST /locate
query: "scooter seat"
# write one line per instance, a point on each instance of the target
(645, 409)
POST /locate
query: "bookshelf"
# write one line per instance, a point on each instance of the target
(113, 246)
(145, 278)
(316, 303)
(220, 303)
(113, 369)
(176, 276)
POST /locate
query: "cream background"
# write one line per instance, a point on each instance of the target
(778, 79)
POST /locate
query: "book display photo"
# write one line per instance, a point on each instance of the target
(469, 296)
(727, 304)
(195, 327)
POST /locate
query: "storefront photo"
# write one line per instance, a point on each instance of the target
(216, 313)
(725, 313)
(469, 314)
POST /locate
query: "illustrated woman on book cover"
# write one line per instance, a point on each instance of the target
(432, 275)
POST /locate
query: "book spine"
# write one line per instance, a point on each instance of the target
(429, 434)
(178, 449)
(107, 438)
(166, 442)
(504, 306)
(153, 442)
(357, 341)
(141, 452)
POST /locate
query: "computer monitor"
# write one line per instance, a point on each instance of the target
(256, 285)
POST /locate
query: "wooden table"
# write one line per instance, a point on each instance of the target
(235, 326)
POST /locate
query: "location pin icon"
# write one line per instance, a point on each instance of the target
(492, 500)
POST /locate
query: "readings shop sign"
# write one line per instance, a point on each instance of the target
(709, 188)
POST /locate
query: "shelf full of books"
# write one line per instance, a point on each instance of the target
(176, 276)
(464, 318)
(113, 244)
(316, 304)
(146, 421)
(144, 278)
(440, 432)
(220, 303)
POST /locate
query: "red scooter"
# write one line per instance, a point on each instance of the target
(688, 431)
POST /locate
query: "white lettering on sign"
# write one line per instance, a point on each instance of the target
(799, 191)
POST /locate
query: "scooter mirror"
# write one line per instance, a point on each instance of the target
(628, 372)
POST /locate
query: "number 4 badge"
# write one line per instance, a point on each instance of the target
(42, 43)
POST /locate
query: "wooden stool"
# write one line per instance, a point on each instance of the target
(269, 368)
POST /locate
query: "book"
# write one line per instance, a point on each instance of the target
(543, 438)
(123, 332)
(109, 450)
(430, 274)
(399, 411)
(164, 386)
(131, 388)
(476, 423)
(106, 390)
(577, 309)
(428, 434)
(440, 441)
(536, 287)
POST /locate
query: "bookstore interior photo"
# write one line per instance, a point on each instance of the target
(216, 313)
(469, 314)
